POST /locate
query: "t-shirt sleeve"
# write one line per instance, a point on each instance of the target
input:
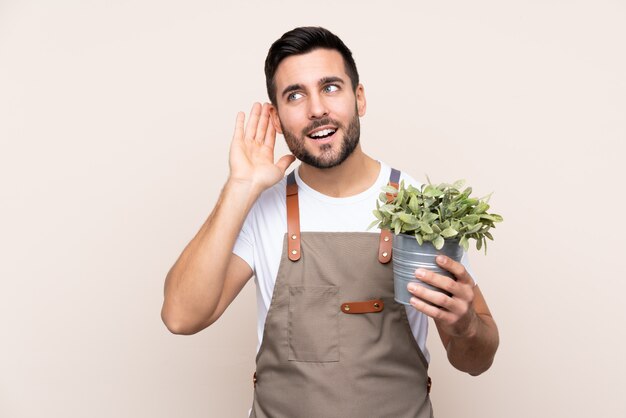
(466, 263)
(244, 245)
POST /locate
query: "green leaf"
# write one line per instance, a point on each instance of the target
(387, 208)
(377, 214)
(458, 184)
(376, 222)
(425, 227)
(498, 217)
(438, 242)
(410, 227)
(462, 211)
(469, 219)
(493, 217)
(413, 205)
(389, 189)
(488, 235)
(412, 190)
(429, 237)
(479, 244)
(419, 238)
(486, 198)
(464, 242)
(481, 208)
(449, 232)
(432, 191)
(436, 229)
(407, 218)
(397, 226)
(429, 217)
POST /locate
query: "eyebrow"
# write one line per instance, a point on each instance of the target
(323, 80)
(330, 80)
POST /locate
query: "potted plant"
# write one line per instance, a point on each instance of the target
(431, 220)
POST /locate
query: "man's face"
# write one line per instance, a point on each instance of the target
(317, 111)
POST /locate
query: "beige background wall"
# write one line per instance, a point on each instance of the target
(115, 121)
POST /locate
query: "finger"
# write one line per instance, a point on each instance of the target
(434, 297)
(430, 310)
(455, 268)
(285, 161)
(270, 136)
(440, 281)
(238, 134)
(255, 114)
(263, 122)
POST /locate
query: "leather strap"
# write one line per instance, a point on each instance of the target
(386, 237)
(293, 218)
(368, 306)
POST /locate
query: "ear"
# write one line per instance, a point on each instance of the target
(275, 119)
(361, 103)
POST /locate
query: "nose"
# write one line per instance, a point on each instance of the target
(317, 107)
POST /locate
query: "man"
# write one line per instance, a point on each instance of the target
(316, 359)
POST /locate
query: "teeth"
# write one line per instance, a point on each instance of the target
(323, 132)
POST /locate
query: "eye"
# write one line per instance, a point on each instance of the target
(331, 88)
(294, 96)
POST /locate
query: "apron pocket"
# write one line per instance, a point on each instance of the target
(313, 328)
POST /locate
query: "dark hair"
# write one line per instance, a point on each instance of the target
(300, 41)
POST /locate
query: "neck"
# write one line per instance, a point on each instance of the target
(356, 174)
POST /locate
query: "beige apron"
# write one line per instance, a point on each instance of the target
(335, 343)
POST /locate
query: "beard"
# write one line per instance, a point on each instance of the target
(328, 157)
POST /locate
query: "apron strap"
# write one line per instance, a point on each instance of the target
(293, 220)
(386, 237)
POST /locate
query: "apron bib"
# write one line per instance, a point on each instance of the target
(335, 343)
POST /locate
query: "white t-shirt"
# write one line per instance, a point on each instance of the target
(260, 242)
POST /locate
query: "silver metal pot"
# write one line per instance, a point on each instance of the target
(408, 256)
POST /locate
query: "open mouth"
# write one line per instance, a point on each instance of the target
(322, 133)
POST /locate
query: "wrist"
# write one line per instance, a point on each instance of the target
(472, 329)
(242, 189)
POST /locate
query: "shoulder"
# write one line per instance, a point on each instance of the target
(404, 175)
(271, 203)
(273, 194)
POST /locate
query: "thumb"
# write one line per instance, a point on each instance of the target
(285, 161)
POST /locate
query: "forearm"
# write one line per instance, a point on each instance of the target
(475, 352)
(194, 284)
